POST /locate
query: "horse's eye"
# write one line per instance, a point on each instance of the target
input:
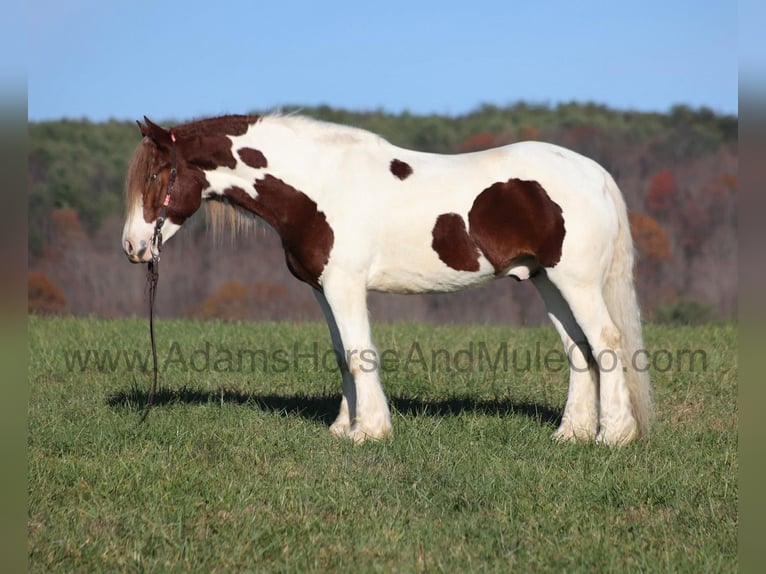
(153, 177)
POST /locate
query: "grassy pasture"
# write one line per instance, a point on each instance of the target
(235, 470)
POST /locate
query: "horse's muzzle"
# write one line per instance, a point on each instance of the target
(137, 253)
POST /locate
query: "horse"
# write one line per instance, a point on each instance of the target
(356, 213)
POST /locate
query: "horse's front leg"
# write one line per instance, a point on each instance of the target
(342, 424)
(364, 411)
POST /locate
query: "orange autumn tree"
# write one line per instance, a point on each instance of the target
(527, 133)
(66, 227)
(653, 246)
(43, 296)
(229, 303)
(662, 195)
(650, 238)
(478, 142)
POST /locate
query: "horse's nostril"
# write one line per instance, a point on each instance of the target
(128, 247)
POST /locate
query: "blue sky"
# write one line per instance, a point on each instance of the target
(177, 59)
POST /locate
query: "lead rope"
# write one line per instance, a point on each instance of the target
(153, 276)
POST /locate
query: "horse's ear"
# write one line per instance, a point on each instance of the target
(157, 134)
(143, 128)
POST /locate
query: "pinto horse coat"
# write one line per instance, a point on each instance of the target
(356, 213)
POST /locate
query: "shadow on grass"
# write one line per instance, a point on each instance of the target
(324, 408)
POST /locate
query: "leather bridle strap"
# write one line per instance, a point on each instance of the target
(153, 273)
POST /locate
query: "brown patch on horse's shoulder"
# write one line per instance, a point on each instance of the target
(400, 169)
(452, 243)
(306, 236)
(253, 157)
(517, 218)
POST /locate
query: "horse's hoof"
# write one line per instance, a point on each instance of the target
(568, 433)
(339, 429)
(360, 434)
(612, 436)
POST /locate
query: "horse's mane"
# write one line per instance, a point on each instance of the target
(138, 168)
(222, 215)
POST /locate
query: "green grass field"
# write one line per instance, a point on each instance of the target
(235, 470)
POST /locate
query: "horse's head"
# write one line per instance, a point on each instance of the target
(146, 186)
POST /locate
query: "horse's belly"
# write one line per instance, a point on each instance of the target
(428, 277)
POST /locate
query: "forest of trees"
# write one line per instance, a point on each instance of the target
(678, 172)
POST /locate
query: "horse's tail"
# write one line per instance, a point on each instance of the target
(622, 304)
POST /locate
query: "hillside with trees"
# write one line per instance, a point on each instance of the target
(678, 172)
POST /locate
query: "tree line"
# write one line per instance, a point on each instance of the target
(678, 171)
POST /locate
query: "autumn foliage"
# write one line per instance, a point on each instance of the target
(654, 256)
(234, 301)
(662, 195)
(43, 296)
(64, 231)
(650, 238)
(527, 133)
(480, 142)
(228, 303)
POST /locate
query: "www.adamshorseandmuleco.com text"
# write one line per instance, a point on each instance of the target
(476, 356)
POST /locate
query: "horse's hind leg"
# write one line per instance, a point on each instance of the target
(364, 411)
(617, 425)
(580, 418)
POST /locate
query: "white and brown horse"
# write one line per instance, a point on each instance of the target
(356, 213)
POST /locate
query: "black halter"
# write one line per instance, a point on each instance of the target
(156, 246)
(153, 270)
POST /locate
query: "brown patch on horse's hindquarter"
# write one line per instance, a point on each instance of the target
(400, 169)
(516, 218)
(253, 157)
(306, 236)
(452, 243)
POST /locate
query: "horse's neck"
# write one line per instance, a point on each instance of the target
(287, 157)
(306, 153)
(281, 161)
(298, 150)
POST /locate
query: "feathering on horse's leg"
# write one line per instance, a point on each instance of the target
(346, 296)
(580, 419)
(617, 425)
